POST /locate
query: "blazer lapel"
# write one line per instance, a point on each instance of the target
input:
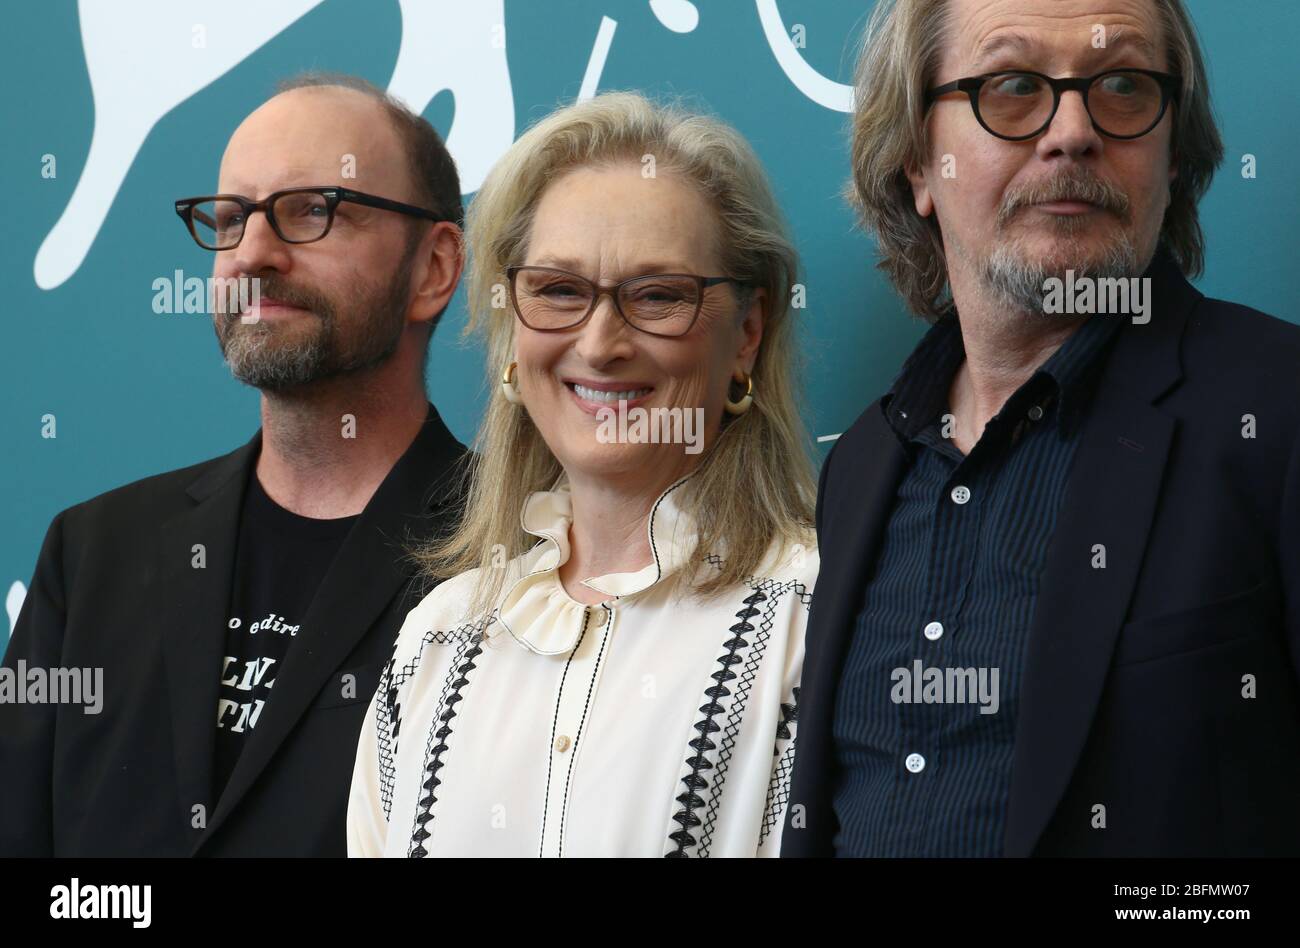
(1110, 501)
(855, 508)
(191, 609)
(366, 574)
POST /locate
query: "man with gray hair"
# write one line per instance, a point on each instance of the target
(243, 608)
(1085, 479)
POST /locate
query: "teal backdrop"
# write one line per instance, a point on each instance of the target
(158, 85)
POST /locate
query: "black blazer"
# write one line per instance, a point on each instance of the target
(1132, 693)
(115, 589)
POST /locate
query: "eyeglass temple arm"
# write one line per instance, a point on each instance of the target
(932, 94)
(356, 197)
(714, 281)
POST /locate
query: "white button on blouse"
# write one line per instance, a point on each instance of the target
(644, 726)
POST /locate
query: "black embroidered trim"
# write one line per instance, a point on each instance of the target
(736, 713)
(457, 678)
(388, 721)
(388, 710)
(789, 715)
(555, 721)
(778, 791)
(696, 783)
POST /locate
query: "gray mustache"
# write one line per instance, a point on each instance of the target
(1089, 189)
(273, 289)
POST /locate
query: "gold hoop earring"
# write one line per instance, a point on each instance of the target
(742, 406)
(508, 385)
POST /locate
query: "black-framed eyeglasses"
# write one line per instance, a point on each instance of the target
(662, 304)
(297, 215)
(1016, 105)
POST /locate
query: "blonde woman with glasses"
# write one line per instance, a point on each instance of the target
(613, 669)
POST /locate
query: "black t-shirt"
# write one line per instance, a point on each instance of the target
(280, 563)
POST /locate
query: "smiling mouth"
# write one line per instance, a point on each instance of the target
(609, 397)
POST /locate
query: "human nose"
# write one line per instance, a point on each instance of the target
(605, 337)
(261, 247)
(1071, 131)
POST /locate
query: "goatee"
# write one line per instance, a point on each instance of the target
(1016, 278)
(331, 339)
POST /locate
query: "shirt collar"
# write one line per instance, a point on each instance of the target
(1074, 364)
(536, 610)
(920, 392)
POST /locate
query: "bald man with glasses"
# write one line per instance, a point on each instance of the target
(241, 609)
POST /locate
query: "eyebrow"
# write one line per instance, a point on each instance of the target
(643, 269)
(1122, 37)
(1119, 37)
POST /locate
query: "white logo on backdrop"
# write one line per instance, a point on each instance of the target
(14, 603)
(144, 65)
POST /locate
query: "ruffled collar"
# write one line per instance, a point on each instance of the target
(536, 610)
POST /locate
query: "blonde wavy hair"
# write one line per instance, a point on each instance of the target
(755, 485)
(897, 62)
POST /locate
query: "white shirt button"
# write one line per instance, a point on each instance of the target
(1036, 413)
(934, 630)
(960, 494)
(562, 743)
(915, 763)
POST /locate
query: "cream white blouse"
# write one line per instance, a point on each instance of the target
(643, 726)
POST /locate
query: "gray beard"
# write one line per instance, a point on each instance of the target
(1017, 282)
(257, 356)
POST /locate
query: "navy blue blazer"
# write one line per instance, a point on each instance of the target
(1134, 692)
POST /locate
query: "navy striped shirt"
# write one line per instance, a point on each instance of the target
(925, 713)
